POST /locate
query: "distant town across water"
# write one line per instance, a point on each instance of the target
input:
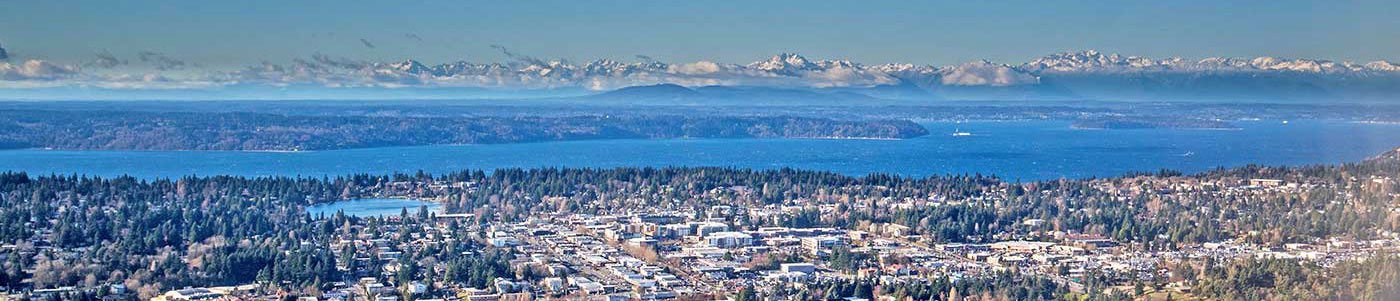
(1013, 150)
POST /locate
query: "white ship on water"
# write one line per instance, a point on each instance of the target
(959, 132)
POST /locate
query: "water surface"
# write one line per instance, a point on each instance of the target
(372, 207)
(1024, 150)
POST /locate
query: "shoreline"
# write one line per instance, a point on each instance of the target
(50, 149)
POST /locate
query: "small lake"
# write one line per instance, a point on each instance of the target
(1018, 150)
(372, 207)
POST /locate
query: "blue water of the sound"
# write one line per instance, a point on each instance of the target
(1021, 150)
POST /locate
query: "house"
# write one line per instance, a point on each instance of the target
(896, 230)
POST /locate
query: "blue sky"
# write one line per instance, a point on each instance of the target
(238, 33)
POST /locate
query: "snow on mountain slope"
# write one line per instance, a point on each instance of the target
(781, 70)
(1091, 61)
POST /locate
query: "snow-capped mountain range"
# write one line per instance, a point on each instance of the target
(785, 69)
(1094, 61)
(1064, 72)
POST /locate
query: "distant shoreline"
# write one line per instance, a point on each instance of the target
(176, 131)
(428, 145)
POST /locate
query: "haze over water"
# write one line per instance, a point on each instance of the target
(1022, 150)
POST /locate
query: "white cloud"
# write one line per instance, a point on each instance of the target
(36, 70)
(984, 73)
(696, 68)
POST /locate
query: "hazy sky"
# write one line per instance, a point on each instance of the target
(235, 33)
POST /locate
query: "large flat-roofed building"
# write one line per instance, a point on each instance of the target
(822, 243)
(729, 240)
(1265, 182)
(189, 294)
(704, 229)
(799, 267)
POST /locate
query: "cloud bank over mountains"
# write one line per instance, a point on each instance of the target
(36, 70)
(1085, 74)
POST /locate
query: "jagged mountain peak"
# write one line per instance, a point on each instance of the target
(1382, 66)
(410, 66)
(784, 63)
(1092, 60)
(791, 59)
(792, 64)
(612, 67)
(780, 70)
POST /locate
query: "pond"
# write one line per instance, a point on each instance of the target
(372, 207)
